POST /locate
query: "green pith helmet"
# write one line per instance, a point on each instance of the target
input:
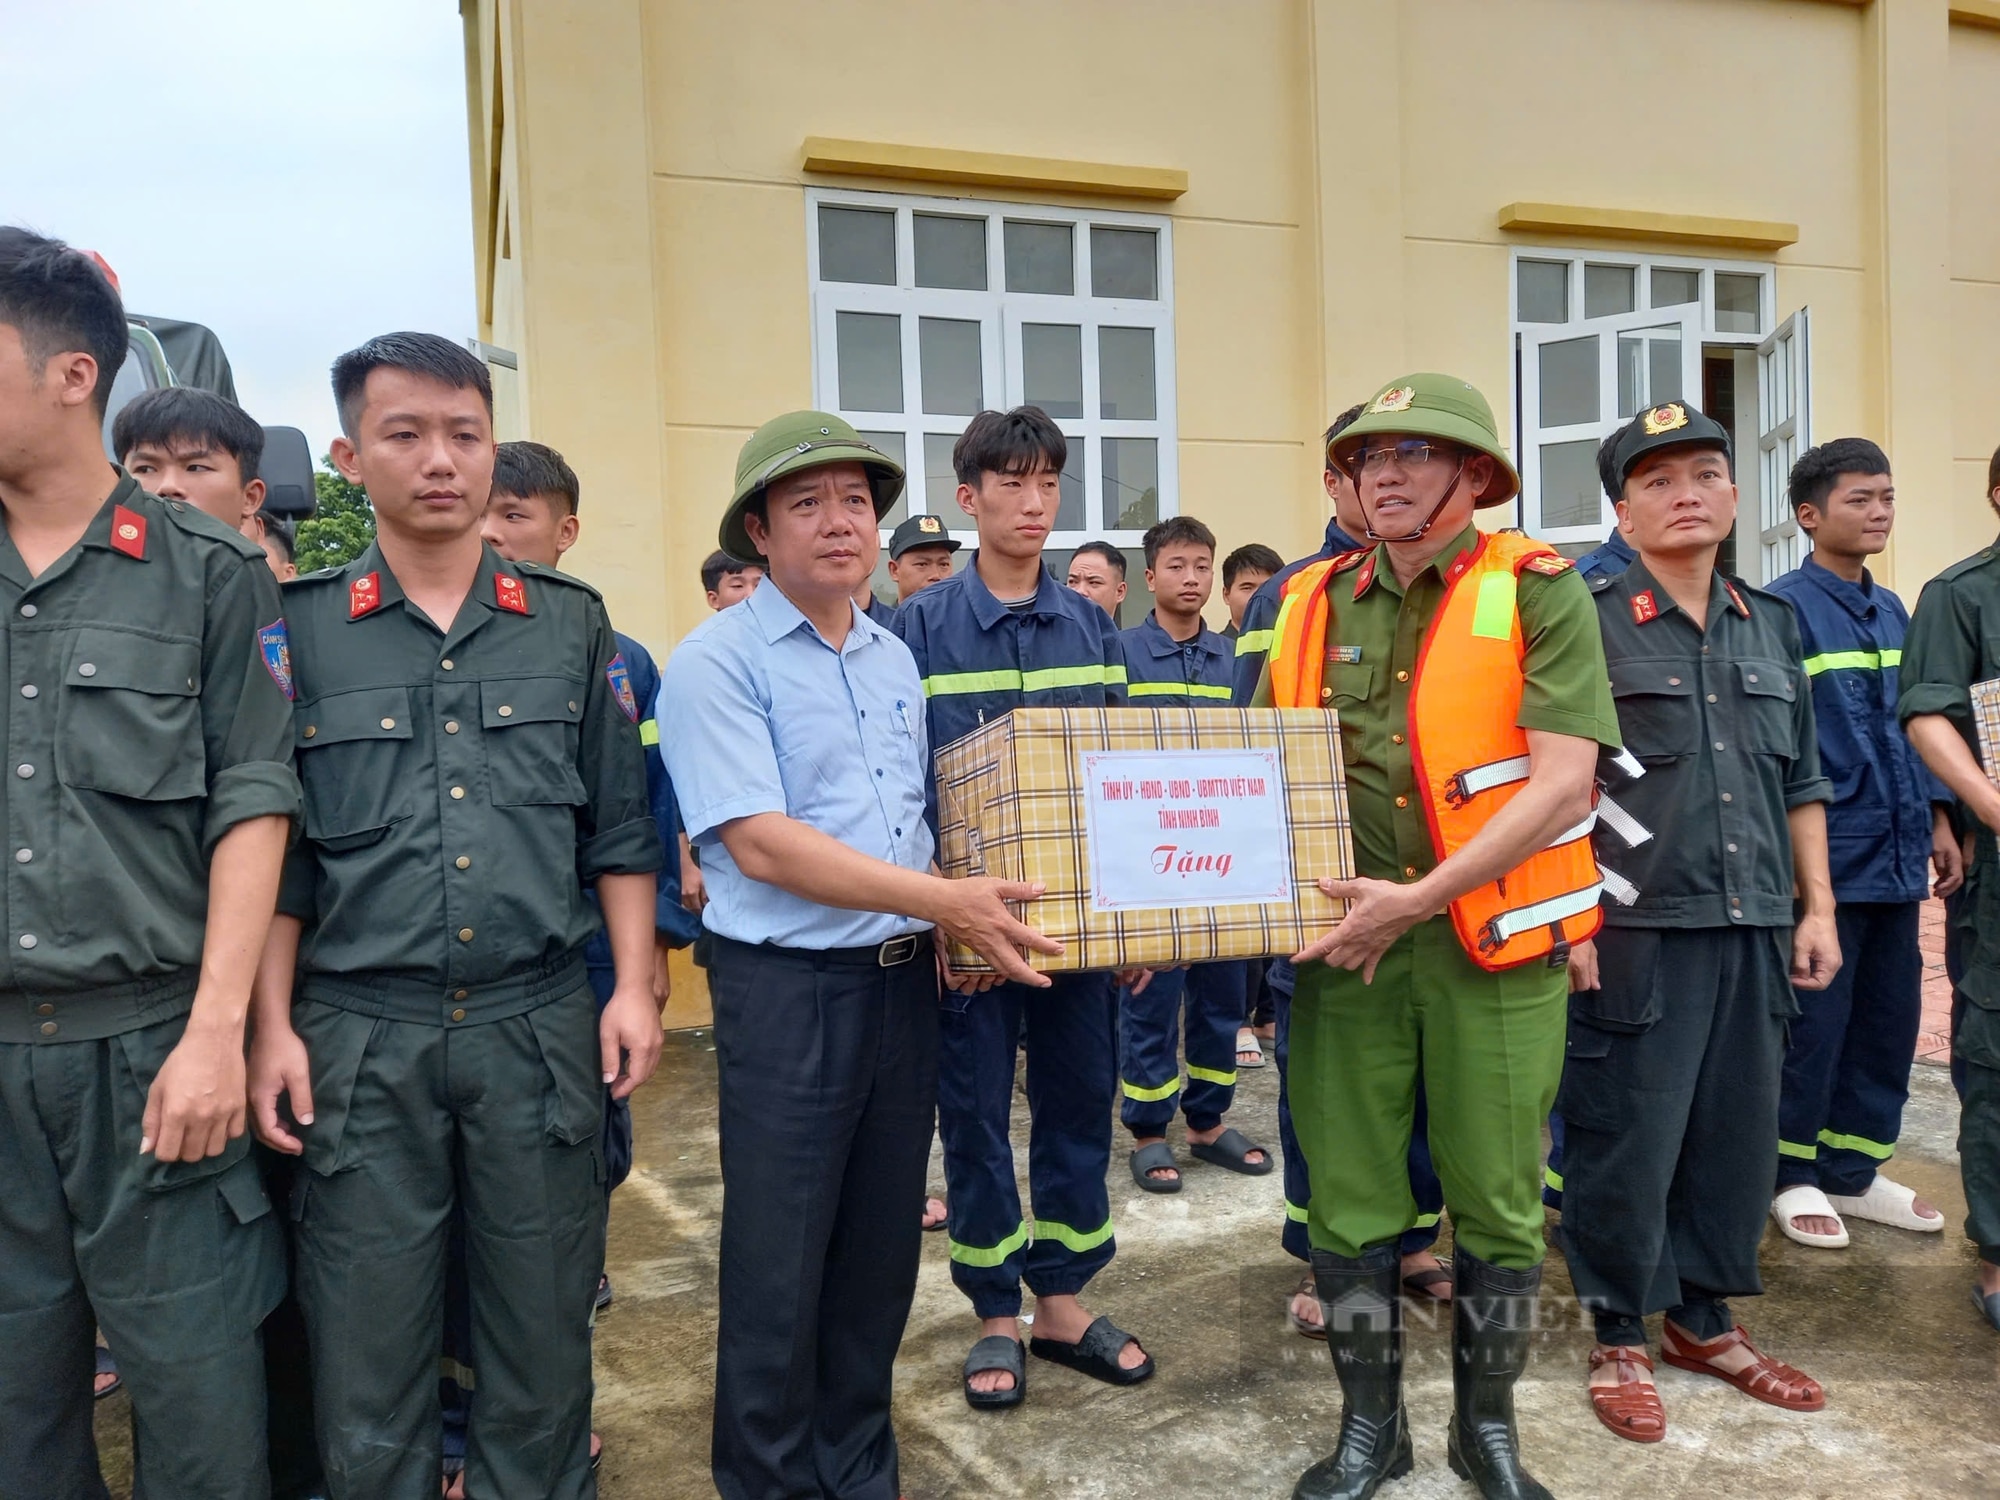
(1434, 406)
(802, 440)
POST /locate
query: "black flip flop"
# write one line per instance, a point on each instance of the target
(996, 1352)
(106, 1365)
(1988, 1304)
(1425, 1283)
(1096, 1354)
(937, 1227)
(1232, 1150)
(1148, 1159)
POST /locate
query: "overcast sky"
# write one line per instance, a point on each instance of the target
(293, 173)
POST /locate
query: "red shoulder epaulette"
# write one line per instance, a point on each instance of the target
(1548, 564)
(1352, 559)
(128, 532)
(364, 595)
(510, 593)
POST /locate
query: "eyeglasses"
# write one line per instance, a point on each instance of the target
(1409, 453)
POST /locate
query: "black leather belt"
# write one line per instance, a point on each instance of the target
(888, 955)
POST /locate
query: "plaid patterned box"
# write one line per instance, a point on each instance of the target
(1986, 717)
(1011, 804)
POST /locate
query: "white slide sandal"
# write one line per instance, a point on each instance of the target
(1889, 1203)
(1807, 1202)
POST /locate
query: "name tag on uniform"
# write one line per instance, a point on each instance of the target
(1347, 655)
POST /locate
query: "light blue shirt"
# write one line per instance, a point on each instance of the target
(767, 717)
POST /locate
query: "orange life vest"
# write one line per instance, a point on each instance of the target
(1469, 755)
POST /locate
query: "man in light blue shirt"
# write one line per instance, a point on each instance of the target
(797, 747)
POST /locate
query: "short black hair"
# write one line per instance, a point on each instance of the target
(1819, 469)
(425, 354)
(716, 564)
(1110, 554)
(277, 526)
(61, 302)
(524, 470)
(1022, 441)
(185, 417)
(1255, 557)
(1173, 532)
(1339, 425)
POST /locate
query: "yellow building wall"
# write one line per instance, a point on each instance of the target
(1346, 162)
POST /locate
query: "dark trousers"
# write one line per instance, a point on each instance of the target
(1669, 1102)
(1424, 1184)
(1072, 1078)
(295, 1472)
(499, 1121)
(828, 1083)
(1847, 1067)
(1208, 1001)
(177, 1263)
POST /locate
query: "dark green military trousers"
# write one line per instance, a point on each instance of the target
(501, 1118)
(1976, 1041)
(177, 1263)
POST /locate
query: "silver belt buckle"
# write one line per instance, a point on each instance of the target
(898, 950)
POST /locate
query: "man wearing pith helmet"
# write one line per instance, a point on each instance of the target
(1468, 676)
(797, 746)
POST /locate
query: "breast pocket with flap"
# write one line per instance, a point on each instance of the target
(350, 748)
(1658, 716)
(129, 721)
(531, 734)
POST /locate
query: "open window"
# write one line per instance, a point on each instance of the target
(1784, 431)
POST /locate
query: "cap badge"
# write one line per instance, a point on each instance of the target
(1397, 398)
(929, 524)
(1669, 418)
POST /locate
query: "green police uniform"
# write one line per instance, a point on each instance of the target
(1490, 1045)
(1954, 641)
(143, 720)
(460, 788)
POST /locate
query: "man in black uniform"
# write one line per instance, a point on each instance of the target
(469, 746)
(148, 799)
(1677, 1018)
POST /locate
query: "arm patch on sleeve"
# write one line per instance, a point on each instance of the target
(620, 677)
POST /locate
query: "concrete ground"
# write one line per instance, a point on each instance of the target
(1241, 1404)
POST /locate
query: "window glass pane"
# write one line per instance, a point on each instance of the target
(1126, 389)
(940, 483)
(1069, 508)
(1736, 302)
(1649, 368)
(1123, 264)
(1543, 291)
(869, 349)
(1675, 288)
(857, 244)
(1569, 382)
(1041, 258)
(1608, 290)
(951, 252)
(1131, 483)
(948, 350)
(1570, 490)
(1052, 367)
(891, 443)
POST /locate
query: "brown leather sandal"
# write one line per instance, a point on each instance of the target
(1630, 1409)
(1769, 1380)
(1309, 1288)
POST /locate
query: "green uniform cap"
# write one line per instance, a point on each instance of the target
(1433, 406)
(802, 440)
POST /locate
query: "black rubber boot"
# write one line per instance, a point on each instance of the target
(1363, 1306)
(1493, 1318)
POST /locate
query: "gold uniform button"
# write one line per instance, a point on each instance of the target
(458, 1015)
(1402, 802)
(388, 723)
(1409, 869)
(1395, 739)
(1402, 677)
(447, 663)
(45, 1009)
(1326, 695)
(460, 994)
(458, 794)
(465, 934)
(462, 862)
(506, 711)
(311, 730)
(49, 1028)
(451, 726)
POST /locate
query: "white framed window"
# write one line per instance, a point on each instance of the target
(928, 310)
(1599, 338)
(1784, 431)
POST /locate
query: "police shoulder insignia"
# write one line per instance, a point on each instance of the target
(1365, 577)
(1669, 418)
(510, 593)
(929, 524)
(1352, 559)
(1550, 564)
(620, 677)
(1396, 398)
(128, 532)
(1736, 599)
(276, 645)
(364, 595)
(1644, 607)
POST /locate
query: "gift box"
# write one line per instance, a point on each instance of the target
(1986, 719)
(1163, 835)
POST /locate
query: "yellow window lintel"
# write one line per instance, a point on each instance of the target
(1976, 13)
(1642, 224)
(990, 169)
